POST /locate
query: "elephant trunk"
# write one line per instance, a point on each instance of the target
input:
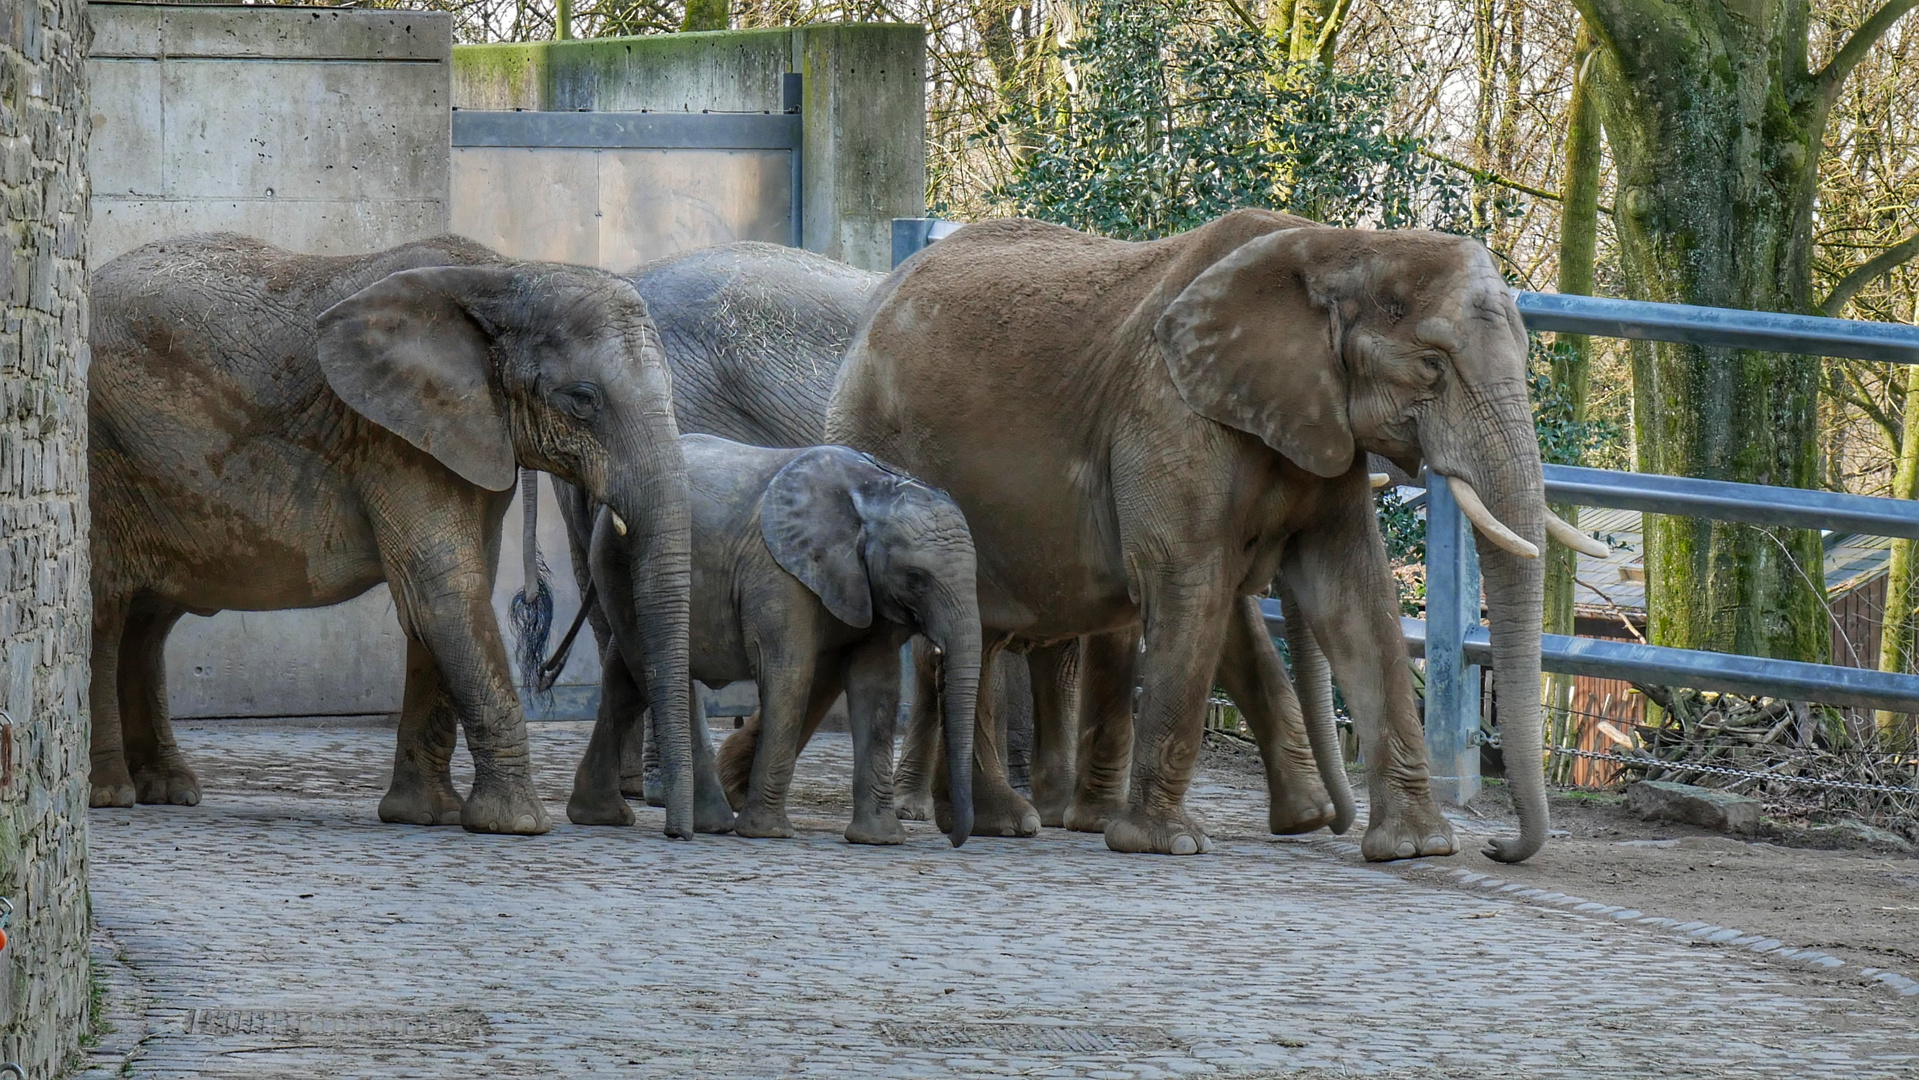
(1515, 493)
(651, 497)
(952, 625)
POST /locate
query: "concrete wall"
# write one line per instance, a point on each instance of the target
(46, 615)
(863, 119)
(319, 130)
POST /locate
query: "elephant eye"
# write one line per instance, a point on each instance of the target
(916, 580)
(1432, 363)
(581, 400)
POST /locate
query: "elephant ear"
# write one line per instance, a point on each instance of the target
(409, 353)
(1253, 345)
(812, 526)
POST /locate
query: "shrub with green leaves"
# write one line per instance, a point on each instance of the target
(1162, 120)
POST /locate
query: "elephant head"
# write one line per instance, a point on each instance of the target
(550, 367)
(873, 542)
(1327, 342)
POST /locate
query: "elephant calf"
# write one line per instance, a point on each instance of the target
(811, 569)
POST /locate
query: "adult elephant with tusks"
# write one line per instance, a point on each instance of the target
(1146, 434)
(274, 430)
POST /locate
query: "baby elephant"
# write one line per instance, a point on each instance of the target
(811, 568)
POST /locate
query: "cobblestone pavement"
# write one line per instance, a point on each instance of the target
(277, 930)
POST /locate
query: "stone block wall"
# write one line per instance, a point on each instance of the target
(45, 605)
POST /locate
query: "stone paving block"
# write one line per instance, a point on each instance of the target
(625, 954)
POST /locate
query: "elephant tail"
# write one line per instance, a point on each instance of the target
(531, 612)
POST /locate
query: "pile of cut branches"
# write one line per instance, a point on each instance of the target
(1783, 744)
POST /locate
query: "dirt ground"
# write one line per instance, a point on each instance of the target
(1859, 904)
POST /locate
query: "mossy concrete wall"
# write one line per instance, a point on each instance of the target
(863, 106)
(45, 606)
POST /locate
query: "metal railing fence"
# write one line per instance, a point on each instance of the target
(1455, 643)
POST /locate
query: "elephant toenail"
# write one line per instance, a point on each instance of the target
(1184, 845)
(1405, 849)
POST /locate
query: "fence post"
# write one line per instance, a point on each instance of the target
(1452, 608)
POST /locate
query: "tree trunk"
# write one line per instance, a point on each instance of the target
(1716, 126)
(707, 15)
(1578, 242)
(1895, 642)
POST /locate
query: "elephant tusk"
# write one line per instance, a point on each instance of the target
(1379, 480)
(1489, 526)
(1559, 530)
(619, 523)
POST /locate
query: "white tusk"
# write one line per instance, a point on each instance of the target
(1571, 537)
(619, 523)
(1379, 480)
(1489, 526)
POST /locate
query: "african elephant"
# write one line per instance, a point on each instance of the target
(811, 568)
(273, 430)
(1147, 433)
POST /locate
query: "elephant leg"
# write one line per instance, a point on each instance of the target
(421, 792)
(742, 745)
(920, 757)
(787, 687)
(111, 781)
(1185, 632)
(1103, 757)
(873, 705)
(640, 765)
(459, 630)
(1346, 593)
(711, 813)
(1053, 671)
(998, 810)
(1252, 675)
(1313, 683)
(160, 772)
(597, 797)
(1013, 709)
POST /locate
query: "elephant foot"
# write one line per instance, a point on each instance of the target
(646, 787)
(1140, 832)
(417, 801)
(758, 822)
(711, 814)
(879, 828)
(1093, 815)
(597, 808)
(1408, 830)
(998, 810)
(167, 785)
(913, 805)
(1052, 811)
(1296, 811)
(504, 808)
(112, 791)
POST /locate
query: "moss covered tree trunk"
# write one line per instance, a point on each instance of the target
(1716, 123)
(1902, 605)
(1578, 244)
(706, 15)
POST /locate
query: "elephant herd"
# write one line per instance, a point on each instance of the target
(1026, 444)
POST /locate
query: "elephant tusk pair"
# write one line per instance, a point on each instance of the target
(1496, 531)
(619, 523)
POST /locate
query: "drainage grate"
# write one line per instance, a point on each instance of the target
(1042, 1038)
(456, 1025)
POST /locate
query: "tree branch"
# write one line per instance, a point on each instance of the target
(1858, 45)
(1485, 177)
(1335, 19)
(1883, 263)
(1244, 16)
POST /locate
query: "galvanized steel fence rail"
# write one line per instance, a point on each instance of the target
(1455, 642)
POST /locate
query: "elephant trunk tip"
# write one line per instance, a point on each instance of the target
(1515, 849)
(962, 823)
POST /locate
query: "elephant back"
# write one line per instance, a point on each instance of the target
(754, 334)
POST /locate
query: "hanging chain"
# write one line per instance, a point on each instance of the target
(1744, 774)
